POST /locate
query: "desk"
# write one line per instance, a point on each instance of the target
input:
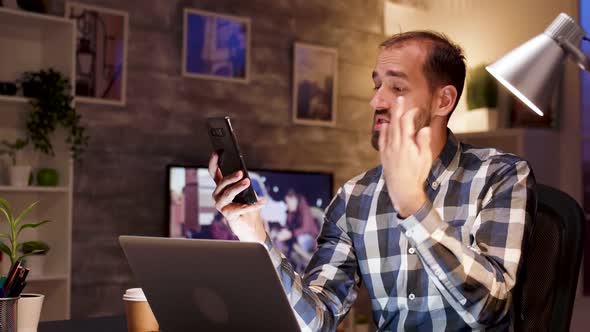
(98, 324)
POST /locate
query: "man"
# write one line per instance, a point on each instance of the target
(435, 232)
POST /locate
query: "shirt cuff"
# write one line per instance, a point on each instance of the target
(273, 252)
(422, 224)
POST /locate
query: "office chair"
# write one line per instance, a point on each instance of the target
(545, 293)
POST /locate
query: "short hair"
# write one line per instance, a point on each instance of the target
(445, 62)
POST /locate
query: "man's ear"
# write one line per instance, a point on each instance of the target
(445, 100)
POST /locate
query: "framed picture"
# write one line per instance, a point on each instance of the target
(101, 53)
(216, 46)
(315, 74)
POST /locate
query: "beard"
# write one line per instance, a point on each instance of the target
(422, 120)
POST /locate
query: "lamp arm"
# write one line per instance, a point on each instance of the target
(579, 57)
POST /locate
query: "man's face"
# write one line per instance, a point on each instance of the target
(399, 73)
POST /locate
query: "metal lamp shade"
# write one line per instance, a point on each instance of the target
(531, 71)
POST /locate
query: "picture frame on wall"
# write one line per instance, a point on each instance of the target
(101, 53)
(315, 77)
(216, 46)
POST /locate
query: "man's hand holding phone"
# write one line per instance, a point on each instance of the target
(244, 220)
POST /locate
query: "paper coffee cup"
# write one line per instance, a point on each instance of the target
(140, 317)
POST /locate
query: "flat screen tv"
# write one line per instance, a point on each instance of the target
(292, 215)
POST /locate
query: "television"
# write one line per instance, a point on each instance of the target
(292, 215)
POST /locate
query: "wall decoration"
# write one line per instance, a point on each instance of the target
(216, 46)
(315, 74)
(101, 53)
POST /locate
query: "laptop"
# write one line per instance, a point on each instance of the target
(209, 285)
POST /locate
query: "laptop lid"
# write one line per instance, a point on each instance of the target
(209, 285)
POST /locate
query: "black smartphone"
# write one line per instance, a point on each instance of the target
(225, 144)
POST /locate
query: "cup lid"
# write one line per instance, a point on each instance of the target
(134, 294)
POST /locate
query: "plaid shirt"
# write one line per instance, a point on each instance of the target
(449, 267)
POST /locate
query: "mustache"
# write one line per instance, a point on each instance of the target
(382, 112)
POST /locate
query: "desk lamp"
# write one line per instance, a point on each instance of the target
(531, 71)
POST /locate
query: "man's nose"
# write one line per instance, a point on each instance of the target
(379, 100)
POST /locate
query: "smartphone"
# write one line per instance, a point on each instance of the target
(225, 144)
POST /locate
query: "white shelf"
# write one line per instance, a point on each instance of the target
(15, 17)
(34, 189)
(504, 132)
(49, 277)
(31, 42)
(13, 99)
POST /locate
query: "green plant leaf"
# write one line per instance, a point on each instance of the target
(33, 247)
(7, 216)
(4, 248)
(36, 252)
(24, 213)
(32, 225)
(4, 204)
(4, 235)
(50, 95)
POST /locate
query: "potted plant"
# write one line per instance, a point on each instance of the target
(30, 306)
(15, 228)
(34, 255)
(51, 99)
(482, 99)
(19, 174)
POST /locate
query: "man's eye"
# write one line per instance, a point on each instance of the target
(398, 89)
(376, 87)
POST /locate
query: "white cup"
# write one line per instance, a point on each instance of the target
(140, 317)
(29, 312)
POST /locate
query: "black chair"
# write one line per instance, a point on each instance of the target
(546, 290)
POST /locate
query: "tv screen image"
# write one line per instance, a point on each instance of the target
(292, 215)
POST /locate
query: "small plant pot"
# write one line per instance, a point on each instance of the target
(36, 263)
(47, 177)
(19, 176)
(29, 311)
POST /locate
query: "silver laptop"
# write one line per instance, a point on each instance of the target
(209, 285)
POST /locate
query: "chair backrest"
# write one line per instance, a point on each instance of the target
(546, 290)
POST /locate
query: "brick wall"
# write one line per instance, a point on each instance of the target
(120, 185)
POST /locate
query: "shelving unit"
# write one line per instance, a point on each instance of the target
(30, 42)
(524, 142)
(34, 189)
(13, 99)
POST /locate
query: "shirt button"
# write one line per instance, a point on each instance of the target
(434, 185)
(411, 251)
(411, 296)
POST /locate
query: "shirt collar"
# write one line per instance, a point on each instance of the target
(446, 162)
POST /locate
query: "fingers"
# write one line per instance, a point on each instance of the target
(394, 125)
(224, 182)
(228, 195)
(234, 211)
(383, 136)
(214, 168)
(408, 126)
(423, 140)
